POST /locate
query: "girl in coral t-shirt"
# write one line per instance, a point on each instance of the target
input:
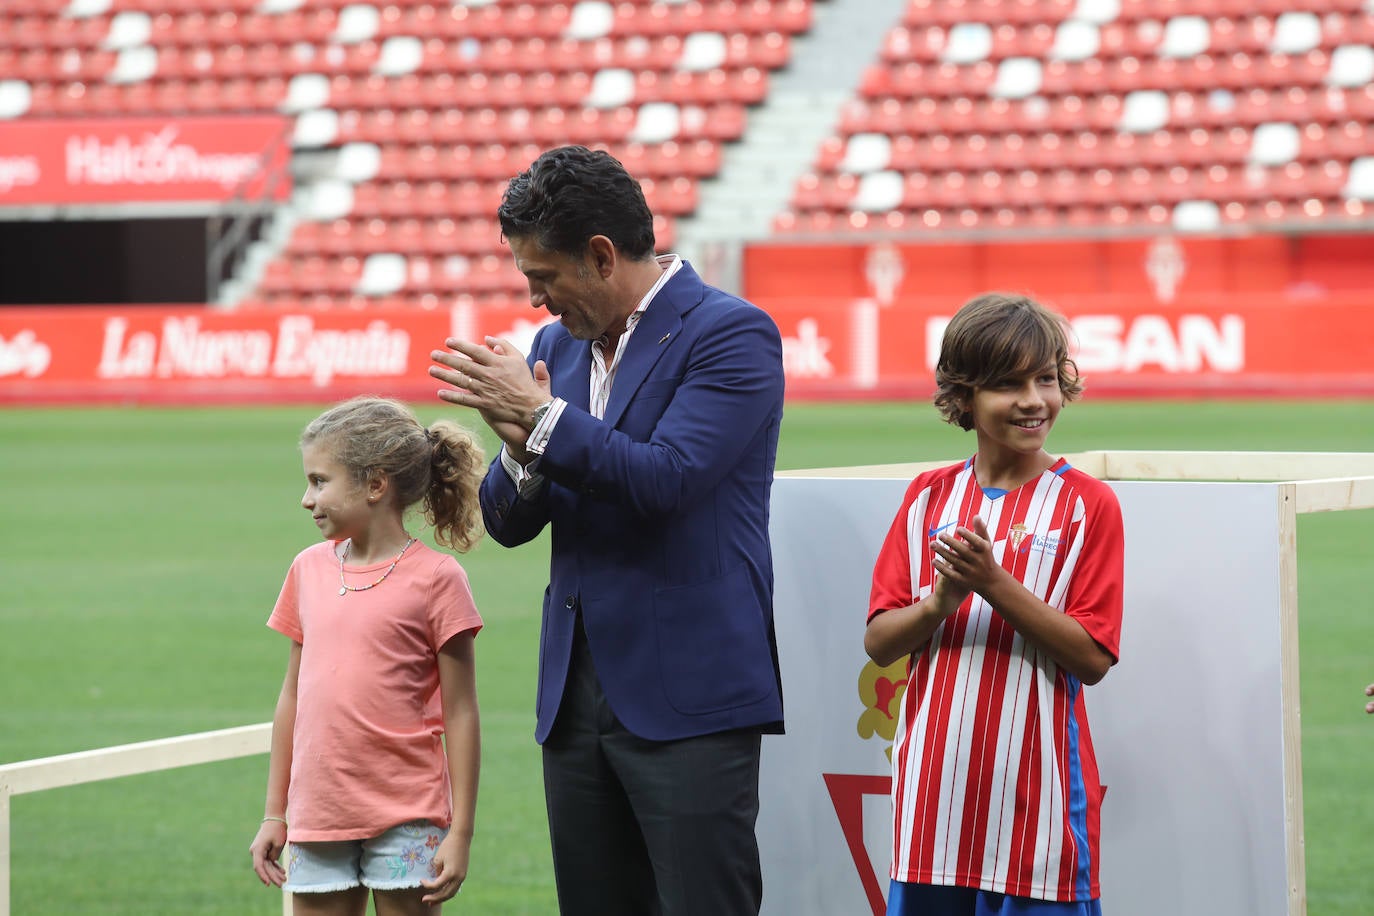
(375, 747)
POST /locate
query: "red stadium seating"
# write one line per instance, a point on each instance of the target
(984, 115)
(996, 119)
(477, 92)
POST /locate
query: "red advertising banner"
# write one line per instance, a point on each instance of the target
(833, 348)
(1190, 316)
(193, 355)
(141, 160)
(1166, 270)
(1229, 346)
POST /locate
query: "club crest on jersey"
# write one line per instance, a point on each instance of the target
(1023, 540)
(1016, 534)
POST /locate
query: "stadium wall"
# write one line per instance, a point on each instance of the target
(1261, 316)
(1238, 316)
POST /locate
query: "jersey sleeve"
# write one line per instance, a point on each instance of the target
(892, 587)
(1096, 593)
(452, 609)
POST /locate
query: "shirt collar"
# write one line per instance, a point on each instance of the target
(669, 264)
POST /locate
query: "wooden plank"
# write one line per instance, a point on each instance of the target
(1291, 714)
(1277, 466)
(1335, 494)
(4, 853)
(1094, 463)
(1161, 465)
(896, 471)
(133, 759)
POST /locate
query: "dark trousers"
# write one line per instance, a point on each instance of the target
(648, 828)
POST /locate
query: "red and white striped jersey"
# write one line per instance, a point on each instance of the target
(995, 785)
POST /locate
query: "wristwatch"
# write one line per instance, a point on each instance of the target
(537, 415)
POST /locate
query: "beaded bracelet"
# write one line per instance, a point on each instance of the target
(273, 817)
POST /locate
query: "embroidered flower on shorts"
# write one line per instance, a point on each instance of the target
(405, 863)
(432, 841)
(293, 861)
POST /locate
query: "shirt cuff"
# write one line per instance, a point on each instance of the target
(526, 477)
(543, 430)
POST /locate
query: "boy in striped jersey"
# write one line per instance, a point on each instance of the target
(1001, 581)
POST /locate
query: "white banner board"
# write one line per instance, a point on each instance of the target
(1188, 727)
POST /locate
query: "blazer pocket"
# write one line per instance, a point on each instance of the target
(713, 645)
(656, 389)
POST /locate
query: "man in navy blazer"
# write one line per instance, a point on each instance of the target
(643, 429)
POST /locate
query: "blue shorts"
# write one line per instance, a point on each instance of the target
(904, 899)
(397, 860)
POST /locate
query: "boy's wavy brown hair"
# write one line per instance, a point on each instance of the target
(999, 336)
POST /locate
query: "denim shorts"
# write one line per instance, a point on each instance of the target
(398, 859)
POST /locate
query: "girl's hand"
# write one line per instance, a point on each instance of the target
(450, 868)
(267, 848)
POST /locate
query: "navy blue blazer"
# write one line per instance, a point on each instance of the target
(659, 517)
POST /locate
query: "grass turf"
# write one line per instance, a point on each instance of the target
(143, 548)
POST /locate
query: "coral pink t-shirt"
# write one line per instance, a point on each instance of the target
(368, 752)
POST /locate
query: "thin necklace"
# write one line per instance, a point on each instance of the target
(345, 588)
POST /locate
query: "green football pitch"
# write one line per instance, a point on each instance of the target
(142, 548)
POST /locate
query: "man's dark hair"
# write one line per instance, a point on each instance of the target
(572, 193)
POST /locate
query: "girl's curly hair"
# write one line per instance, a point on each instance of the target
(441, 466)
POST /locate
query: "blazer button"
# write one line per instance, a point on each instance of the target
(570, 602)
(502, 506)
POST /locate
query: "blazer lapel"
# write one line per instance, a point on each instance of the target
(661, 322)
(651, 337)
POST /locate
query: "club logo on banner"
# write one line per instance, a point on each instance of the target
(880, 693)
(1165, 265)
